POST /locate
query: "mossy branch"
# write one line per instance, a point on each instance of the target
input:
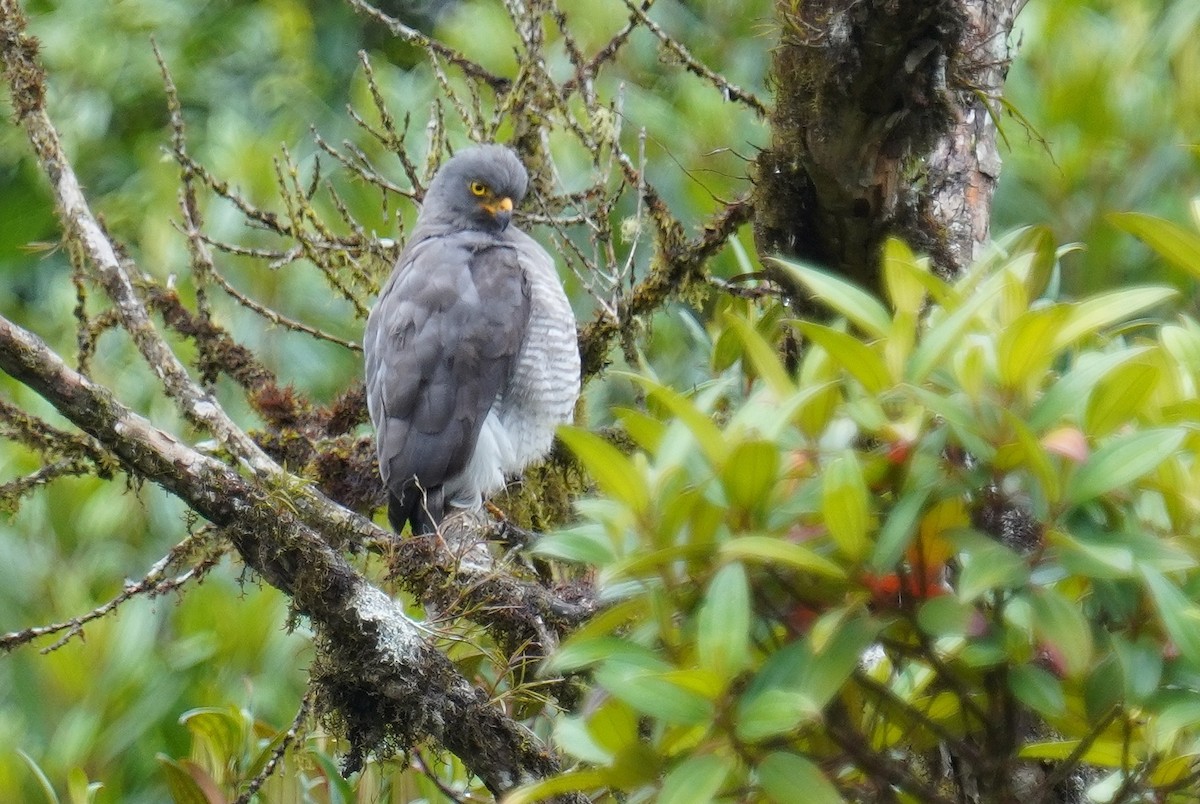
(379, 676)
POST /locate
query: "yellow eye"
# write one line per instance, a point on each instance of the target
(478, 189)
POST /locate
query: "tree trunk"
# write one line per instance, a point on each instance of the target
(883, 125)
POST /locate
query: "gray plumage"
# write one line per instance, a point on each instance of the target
(471, 353)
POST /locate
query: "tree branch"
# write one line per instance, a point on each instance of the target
(377, 674)
(27, 82)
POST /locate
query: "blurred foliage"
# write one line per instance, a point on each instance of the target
(1113, 89)
(989, 494)
(1112, 86)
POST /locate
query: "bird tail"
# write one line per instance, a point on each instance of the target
(420, 508)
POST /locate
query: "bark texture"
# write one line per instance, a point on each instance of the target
(883, 126)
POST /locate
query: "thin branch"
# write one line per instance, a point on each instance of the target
(431, 45)
(277, 754)
(730, 91)
(1064, 768)
(877, 765)
(678, 261)
(12, 491)
(277, 318)
(27, 84)
(606, 53)
(154, 584)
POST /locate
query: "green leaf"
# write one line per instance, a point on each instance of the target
(1177, 712)
(1061, 623)
(1148, 548)
(218, 731)
(845, 505)
(794, 685)
(899, 343)
(899, 529)
(1096, 313)
(773, 550)
(762, 355)
(861, 361)
(646, 562)
(613, 472)
(613, 725)
(80, 788)
(1014, 299)
(577, 653)
(1106, 753)
(750, 473)
(42, 780)
(837, 658)
(697, 779)
(961, 418)
(946, 616)
(1031, 456)
(183, 788)
(1038, 242)
(584, 544)
(655, 695)
(1180, 615)
(1141, 663)
(774, 712)
(1025, 351)
(818, 370)
(699, 423)
(1183, 344)
(1120, 396)
(1122, 461)
(1082, 556)
(572, 736)
(644, 429)
(1037, 689)
(1173, 770)
(265, 752)
(769, 416)
(903, 277)
(723, 623)
(1173, 243)
(849, 300)
(547, 789)
(986, 565)
(1077, 385)
(340, 790)
(783, 776)
(946, 336)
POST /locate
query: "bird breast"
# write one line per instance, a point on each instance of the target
(545, 381)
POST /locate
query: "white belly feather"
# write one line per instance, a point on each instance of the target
(519, 429)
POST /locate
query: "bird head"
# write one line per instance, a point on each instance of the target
(477, 189)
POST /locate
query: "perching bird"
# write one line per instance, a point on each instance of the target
(471, 352)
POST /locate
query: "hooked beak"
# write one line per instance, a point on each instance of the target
(501, 210)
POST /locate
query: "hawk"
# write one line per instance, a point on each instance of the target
(471, 353)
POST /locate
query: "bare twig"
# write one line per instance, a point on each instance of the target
(156, 582)
(730, 91)
(279, 319)
(27, 82)
(273, 762)
(431, 45)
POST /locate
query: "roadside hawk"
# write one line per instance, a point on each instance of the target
(471, 352)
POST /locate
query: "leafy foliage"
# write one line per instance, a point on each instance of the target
(970, 522)
(1100, 138)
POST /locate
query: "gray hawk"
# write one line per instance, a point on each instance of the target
(471, 352)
